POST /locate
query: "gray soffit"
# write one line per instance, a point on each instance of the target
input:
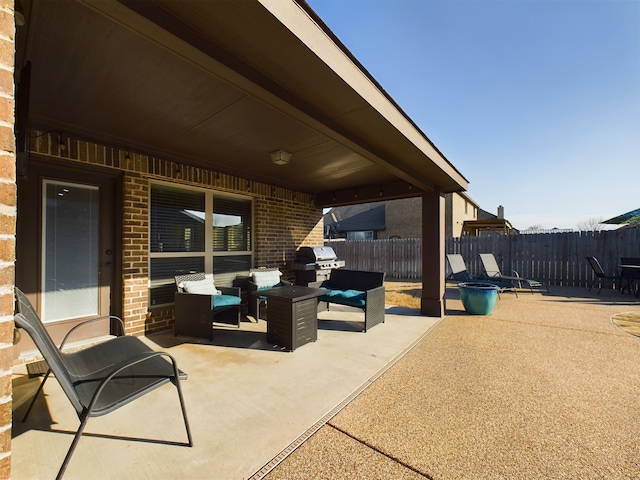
(220, 85)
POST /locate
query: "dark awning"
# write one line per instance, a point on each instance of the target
(630, 217)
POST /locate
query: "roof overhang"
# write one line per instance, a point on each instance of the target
(495, 225)
(221, 85)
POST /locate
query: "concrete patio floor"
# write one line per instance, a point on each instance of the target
(247, 402)
(544, 387)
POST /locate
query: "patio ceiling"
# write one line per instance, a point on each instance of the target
(220, 85)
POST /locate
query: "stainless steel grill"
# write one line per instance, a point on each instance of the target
(313, 264)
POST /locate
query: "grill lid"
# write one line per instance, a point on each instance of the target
(315, 254)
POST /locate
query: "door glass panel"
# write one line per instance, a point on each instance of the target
(70, 251)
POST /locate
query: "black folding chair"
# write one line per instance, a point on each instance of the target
(600, 274)
(103, 377)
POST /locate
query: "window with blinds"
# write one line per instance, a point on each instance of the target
(231, 224)
(196, 231)
(177, 220)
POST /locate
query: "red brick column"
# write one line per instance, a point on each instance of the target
(7, 227)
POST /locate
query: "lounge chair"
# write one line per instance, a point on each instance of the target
(103, 377)
(492, 272)
(600, 274)
(459, 273)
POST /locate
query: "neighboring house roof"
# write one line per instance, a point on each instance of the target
(356, 220)
(484, 215)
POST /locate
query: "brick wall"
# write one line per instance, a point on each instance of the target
(7, 228)
(282, 225)
(135, 253)
(403, 218)
(283, 219)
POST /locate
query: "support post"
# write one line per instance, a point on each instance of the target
(433, 246)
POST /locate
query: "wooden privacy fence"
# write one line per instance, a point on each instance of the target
(556, 258)
(398, 258)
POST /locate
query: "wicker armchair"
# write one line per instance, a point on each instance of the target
(200, 304)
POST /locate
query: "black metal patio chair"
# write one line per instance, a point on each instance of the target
(600, 274)
(103, 377)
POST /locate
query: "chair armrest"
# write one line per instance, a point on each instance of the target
(92, 320)
(375, 295)
(373, 291)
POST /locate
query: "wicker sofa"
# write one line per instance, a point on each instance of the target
(360, 289)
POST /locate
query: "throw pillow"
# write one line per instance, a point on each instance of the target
(201, 287)
(266, 279)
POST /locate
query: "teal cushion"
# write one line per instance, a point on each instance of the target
(352, 298)
(223, 301)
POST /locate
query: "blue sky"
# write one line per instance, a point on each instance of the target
(535, 102)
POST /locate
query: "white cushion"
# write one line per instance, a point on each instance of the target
(268, 278)
(200, 287)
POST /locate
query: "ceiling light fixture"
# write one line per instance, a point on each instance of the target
(280, 157)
